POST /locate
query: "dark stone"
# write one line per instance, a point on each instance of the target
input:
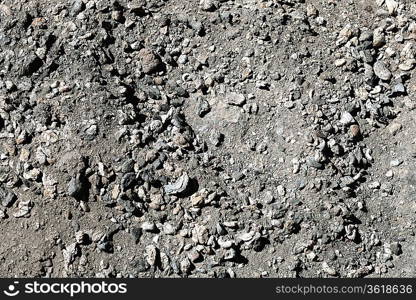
(128, 181)
(136, 232)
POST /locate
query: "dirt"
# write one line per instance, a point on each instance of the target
(207, 139)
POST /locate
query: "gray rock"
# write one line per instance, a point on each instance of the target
(236, 99)
(128, 181)
(328, 270)
(179, 186)
(136, 232)
(207, 5)
(140, 265)
(347, 118)
(75, 187)
(7, 198)
(150, 61)
(203, 107)
(77, 7)
(149, 227)
(313, 163)
(381, 71)
(396, 248)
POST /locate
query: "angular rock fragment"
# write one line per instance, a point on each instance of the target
(179, 186)
(381, 71)
(149, 60)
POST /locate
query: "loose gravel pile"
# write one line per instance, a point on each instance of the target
(170, 138)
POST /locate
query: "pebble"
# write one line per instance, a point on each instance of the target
(24, 208)
(207, 5)
(136, 232)
(374, 185)
(313, 163)
(407, 65)
(396, 248)
(236, 99)
(328, 270)
(394, 128)
(389, 174)
(75, 187)
(150, 61)
(152, 255)
(379, 38)
(346, 118)
(7, 198)
(179, 186)
(381, 71)
(395, 163)
(340, 62)
(149, 227)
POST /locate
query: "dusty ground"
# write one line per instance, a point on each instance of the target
(207, 139)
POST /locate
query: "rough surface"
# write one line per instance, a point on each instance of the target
(207, 138)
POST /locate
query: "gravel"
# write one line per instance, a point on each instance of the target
(207, 138)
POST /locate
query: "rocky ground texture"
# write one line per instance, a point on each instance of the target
(212, 138)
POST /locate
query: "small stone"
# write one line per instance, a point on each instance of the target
(340, 62)
(230, 224)
(179, 186)
(128, 181)
(169, 229)
(395, 163)
(311, 256)
(75, 187)
(346, 118)
(24, 208)
(194, 256)
(381, 71)
(117, 15)
(394, 128)
(149, 227)
(216, 138)
(128, 166)
(313, 163)
(374, 185)
(392, 6)
(182, 59)
(136, 232)
(268, 197)
(398, 89)
(281, 190)
(7, 198)
(355, 131)
(150, 61)
(247, 236)
(185, 266)
(396, 248)
(236, 99)
(379, 38)
(197, 200)
(69, 253)
(81, 238)
(328, 270)
(207, 5)
(77, 7)
(200, 234)
(152, 255)
(141, 265)
(203, 107)
(230, 254)
(407, 65)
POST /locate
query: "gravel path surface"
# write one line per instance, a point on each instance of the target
(171, 138)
